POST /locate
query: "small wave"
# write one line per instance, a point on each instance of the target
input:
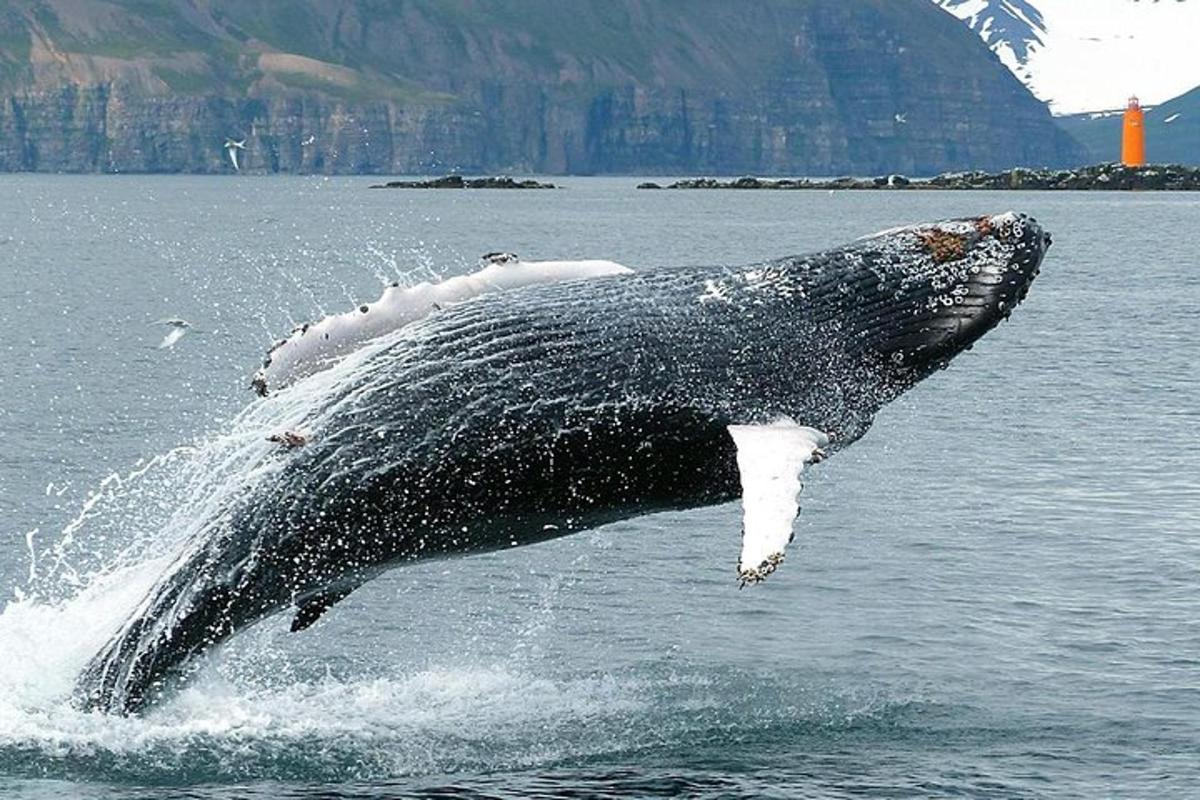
(424, 723)
(464, 720)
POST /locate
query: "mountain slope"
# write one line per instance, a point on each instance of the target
(775, 86)
(1090, 56)
(1172, 132)
(1013, 29)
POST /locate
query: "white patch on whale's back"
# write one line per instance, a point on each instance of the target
(312, 348)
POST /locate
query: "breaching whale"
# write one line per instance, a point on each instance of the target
(519, 416)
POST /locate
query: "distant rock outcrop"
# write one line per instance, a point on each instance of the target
(1110, 177)
(459, 182)
(420, 87)
(1103, 177)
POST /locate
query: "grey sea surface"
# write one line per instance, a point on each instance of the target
(995, 593)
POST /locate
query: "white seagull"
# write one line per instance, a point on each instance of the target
(901, 118)
(178, 328)
(232, 146)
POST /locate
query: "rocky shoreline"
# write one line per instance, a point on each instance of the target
(459, 182)
(1102, 177)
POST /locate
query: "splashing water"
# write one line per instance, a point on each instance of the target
(250, 717)
(133, 530)
(257, 716)
(253, 717)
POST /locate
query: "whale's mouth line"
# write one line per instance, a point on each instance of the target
(985, 267)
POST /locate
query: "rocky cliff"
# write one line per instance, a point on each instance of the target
(547, 86)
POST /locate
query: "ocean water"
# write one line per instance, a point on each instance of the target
(995, 593)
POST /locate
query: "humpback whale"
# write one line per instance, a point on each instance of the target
(518, 416)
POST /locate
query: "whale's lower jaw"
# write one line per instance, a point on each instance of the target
(536, 413)
(947, 322)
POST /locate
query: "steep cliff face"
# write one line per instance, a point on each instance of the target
(588, 86)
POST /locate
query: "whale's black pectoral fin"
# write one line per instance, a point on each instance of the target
(771, 460)
(311, 609)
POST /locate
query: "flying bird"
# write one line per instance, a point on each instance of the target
(178, 329)
(901, 118)
(232, 146)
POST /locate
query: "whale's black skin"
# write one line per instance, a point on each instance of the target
(528, 415)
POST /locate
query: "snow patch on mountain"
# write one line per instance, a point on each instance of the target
(1089, 56)
(1013, 29)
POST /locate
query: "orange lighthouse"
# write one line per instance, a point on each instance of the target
(1133, 138)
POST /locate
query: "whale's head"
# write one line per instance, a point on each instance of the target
(926, 293)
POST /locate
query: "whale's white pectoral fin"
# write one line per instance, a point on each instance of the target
(771, 460)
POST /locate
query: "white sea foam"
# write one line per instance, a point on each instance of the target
(399, 724)
(130, 532)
